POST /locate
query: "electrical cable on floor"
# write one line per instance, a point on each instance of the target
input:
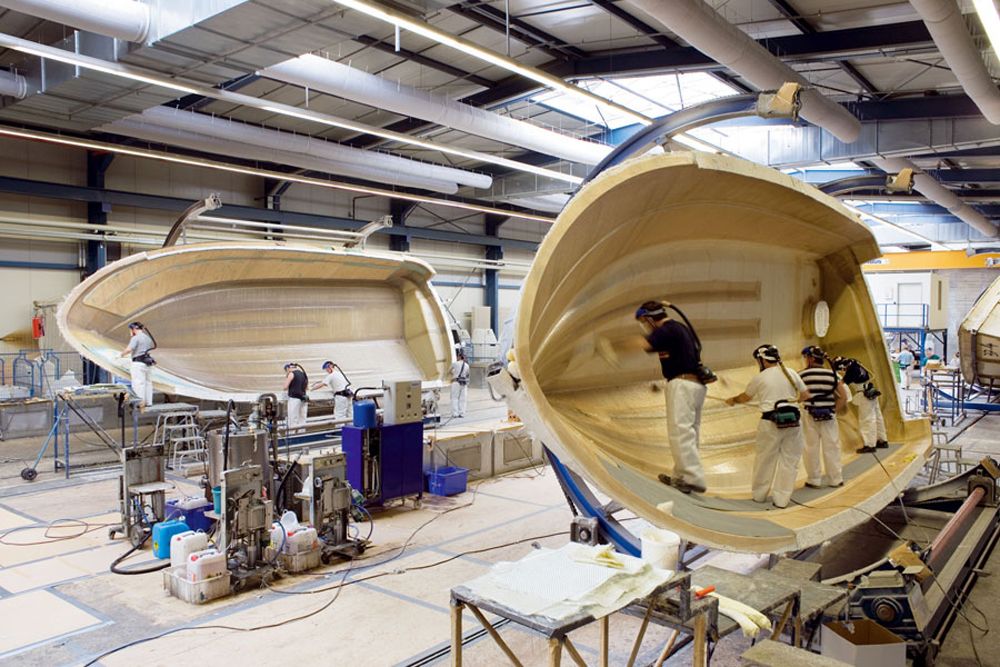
(266, 626)
(47, 537)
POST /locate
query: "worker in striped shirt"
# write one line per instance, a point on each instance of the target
(822, 435)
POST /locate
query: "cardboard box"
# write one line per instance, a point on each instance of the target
(869, 645)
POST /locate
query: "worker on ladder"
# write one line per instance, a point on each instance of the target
(779, 433)
(459, 386)
(141, 368)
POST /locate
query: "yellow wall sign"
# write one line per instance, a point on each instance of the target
(928, 260)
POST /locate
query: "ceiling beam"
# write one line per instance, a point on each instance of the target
(522, 31)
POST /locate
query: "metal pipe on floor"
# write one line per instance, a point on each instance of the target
(956, 527)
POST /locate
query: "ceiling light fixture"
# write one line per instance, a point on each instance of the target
(253, 171)
(990, 19)
(493, 58)
(145, 76)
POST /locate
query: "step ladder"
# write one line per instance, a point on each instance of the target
(945, 459)
(179, 433)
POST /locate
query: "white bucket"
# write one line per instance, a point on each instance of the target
(660, 548)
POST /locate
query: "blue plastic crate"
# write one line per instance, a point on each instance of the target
(447, 481)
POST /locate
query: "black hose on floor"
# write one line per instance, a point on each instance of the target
(146, 570)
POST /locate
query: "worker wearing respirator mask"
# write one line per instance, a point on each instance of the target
(679, 351)
(779, 434)
(337, 382)
(141, 369)
(822, 433)
(870, 420)
(296, 382)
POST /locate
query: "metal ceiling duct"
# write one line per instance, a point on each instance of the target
(946, 25)
(320, 149)
(930, 188)
(702, 27)
(122, 19)
(136, 128)
(335, 78)
(13, 85)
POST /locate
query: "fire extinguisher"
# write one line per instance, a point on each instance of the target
(37, 326)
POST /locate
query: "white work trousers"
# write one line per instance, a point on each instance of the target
(142, 382)
(870, 421)
(459, 399)
(777, 462)
(342, 407)
(684, 402)
(297, 410)
(822, 450)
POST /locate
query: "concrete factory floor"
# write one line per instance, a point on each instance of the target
(60, 605)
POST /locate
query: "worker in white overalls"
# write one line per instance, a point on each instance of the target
(779, 432)
(459, 386)
(337, 382)
(822, 434)
(677, 346)
(865, 397)
(296, 382)
(138, 348)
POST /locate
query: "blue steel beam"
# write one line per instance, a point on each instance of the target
(965, 175)
(32, 188)
(924, 210)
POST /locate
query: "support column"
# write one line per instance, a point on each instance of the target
(491, 294)
(97, 250)
(400, 210)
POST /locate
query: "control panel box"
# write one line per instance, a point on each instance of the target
(402, 403)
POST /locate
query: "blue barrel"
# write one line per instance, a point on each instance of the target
(364, 414)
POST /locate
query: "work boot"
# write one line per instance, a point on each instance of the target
(882, 444)
(814, 486)
(865, 450)
(680, 484)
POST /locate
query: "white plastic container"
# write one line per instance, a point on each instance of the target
(301, 540)
(660, 548)
(202, 565)
(184, 544)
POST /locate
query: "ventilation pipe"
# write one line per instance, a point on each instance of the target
(13, 85)
(223, 128)
(930, 188)
(946, 25)
(702, 27)
(136, 128)
(349, 83)
(122, 19)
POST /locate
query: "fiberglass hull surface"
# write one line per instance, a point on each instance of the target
(227, 317)
(979, 338)
(746, 252)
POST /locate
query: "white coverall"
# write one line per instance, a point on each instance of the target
(779, 450)
(822, 450)
(297, 409)
(870, 420)
(142, 382)
(685, 399)
(337, 381)
(459, 387)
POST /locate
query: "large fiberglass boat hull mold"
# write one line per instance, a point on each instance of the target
(227, 317)
(979, 338)
(747, 253)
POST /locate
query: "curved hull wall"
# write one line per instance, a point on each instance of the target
(979, 338)
(745, 251)
(227, 317)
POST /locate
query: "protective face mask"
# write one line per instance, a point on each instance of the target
(645, 326)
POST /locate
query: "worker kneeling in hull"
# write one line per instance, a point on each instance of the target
(679, 350)
(822, 434)
(779, 433)
(865, 396)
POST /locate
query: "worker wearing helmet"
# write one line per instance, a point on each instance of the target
(337, 382)
(865, 397)
(296, 382)
(459, 386)
(141, 369)
(779, 435)
(677, 347)
(822, 434)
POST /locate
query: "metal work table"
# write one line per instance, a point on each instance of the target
(557, 631)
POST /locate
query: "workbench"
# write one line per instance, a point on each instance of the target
(557, 631)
